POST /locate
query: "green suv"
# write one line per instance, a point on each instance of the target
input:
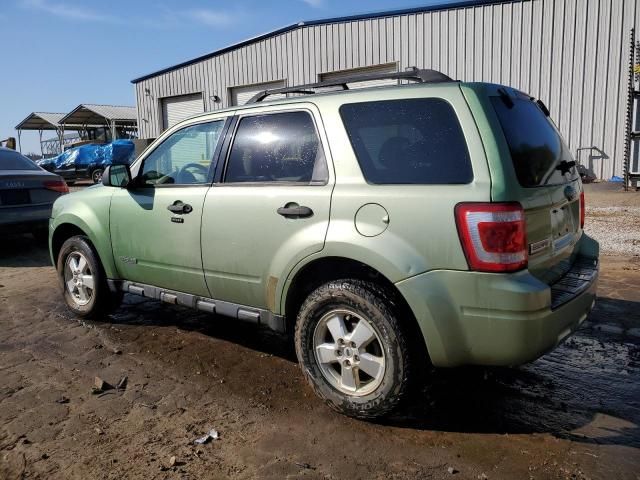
(388, 229)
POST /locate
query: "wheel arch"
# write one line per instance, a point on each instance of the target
(325, 269)
(68, 227)
(60, 235)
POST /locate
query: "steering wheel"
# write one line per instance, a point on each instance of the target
(184, 172)
(151, 176)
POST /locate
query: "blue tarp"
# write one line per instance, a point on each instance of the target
(91, 156)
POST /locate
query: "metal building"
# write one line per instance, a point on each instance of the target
(572, 54)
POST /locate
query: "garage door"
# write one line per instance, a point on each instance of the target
(340, 75)
(241, 95)
(175, 109)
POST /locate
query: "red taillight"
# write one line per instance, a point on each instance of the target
(493, 236)
(56, 186)
(582, 209)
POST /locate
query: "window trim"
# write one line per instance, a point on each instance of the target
(457, 117)
(212, 166)
(222, 172)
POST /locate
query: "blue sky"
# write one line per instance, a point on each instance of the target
(60, 53)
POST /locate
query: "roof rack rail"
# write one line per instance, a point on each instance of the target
(412, 74)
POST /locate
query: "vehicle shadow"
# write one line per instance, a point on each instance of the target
(138, 311)
(587, 390)
(23, 251)
(524, 400)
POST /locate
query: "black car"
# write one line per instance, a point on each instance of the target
(27, 193)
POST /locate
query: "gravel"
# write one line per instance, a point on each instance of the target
(616, 228)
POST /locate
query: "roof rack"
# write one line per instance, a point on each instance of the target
(413, 74)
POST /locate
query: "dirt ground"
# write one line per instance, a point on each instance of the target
(573, 414)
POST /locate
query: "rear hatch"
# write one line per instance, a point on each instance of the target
(537, 170)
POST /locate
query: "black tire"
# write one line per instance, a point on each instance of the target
(101, 300)
(373, 303)
(96, 175)
(70, 183)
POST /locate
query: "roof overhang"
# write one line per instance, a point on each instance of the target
(101, 115)
(41, 121)
(47, 121)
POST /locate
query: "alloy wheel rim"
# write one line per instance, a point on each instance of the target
(349, 352)
(78, 278)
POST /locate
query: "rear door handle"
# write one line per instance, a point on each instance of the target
(293, 210)
(179, 207)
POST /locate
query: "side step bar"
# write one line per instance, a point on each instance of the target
(241, 312)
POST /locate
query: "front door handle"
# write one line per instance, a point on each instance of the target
(293, 210)
(179, 207)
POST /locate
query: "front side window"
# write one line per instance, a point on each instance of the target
(277, 147)
(185, 157)
(412, 141)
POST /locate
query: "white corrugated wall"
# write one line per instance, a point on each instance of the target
(572, 54)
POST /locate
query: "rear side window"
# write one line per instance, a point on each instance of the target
(413, 141)
(277, 147)
(12, 160)
(534, 142)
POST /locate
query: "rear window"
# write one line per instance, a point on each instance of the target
(12, 160)
(534, 142)
(412, 141)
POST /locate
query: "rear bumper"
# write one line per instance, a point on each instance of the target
(499, 319)
(24, 218)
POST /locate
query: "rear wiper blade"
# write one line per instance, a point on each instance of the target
(565, 166)
(504, 96)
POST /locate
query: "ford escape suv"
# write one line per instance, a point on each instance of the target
(389, 229)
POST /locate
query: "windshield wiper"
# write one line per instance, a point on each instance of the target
(504, 96)
(565, 166)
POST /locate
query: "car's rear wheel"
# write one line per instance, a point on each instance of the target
(84, 283)
(96, 175)
(353, 349)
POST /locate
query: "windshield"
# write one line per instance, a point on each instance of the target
(12, 160)
(536, 147)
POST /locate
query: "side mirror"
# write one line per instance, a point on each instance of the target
(117, 175)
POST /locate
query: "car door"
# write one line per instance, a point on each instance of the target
(269, 207)
(155, 223)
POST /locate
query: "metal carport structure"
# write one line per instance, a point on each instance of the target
(47, 121)
(111, 116)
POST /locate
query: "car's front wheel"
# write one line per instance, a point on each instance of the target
(353, 349)
(84, 283)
